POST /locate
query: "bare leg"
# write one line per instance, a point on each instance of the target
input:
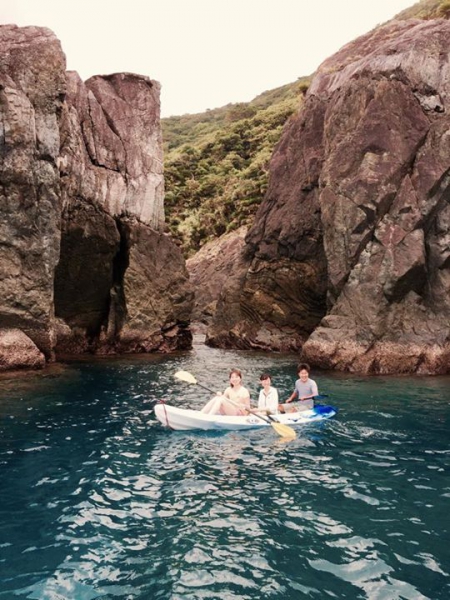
(306, 405)
(213, 407)
(287, 408)
(231, 410)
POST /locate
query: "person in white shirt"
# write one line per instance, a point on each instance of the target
(268, 396)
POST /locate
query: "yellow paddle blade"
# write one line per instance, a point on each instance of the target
(185, 376)
(284, 430)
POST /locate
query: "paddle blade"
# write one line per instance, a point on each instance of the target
(284, 430)
(185, 376)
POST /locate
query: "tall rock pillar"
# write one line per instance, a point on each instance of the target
(32, 89)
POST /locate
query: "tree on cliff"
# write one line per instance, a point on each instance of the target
(216, 164)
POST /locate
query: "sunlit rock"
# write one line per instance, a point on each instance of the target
(18, 351)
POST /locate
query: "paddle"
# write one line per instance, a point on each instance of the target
(318, 397)
(280, 428)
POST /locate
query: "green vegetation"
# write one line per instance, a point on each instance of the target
(426, 9)
(216, 163)
(444, 9)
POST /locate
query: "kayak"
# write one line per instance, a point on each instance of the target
(188, 419)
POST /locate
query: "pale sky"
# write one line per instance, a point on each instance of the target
(205, 53)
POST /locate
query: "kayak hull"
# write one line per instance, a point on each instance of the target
(184, 419)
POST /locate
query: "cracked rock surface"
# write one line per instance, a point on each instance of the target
(85, 265)
(348, 259)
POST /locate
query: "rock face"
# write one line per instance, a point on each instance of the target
(211, 269)
(121, 285)
(32, 89)
(111, 151)
(351, 246)
(84, 262)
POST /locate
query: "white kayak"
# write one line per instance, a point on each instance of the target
(187, 419)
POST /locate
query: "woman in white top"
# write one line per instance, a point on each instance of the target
(268, 396)
(234, 401)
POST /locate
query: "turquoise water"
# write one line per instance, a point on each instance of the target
(97, 500)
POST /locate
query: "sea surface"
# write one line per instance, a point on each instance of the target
(98, 500)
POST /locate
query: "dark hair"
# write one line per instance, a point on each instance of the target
(304, 366)
(265, 376)
(235, 372)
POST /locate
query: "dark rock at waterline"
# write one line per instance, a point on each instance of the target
(349, 254)
(84, 262)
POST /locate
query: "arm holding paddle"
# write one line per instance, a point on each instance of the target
(234, 401)
(305, 390)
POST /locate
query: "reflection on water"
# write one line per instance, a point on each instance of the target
(99, 501)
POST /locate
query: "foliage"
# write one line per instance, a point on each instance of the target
(216, 164)
(426, 9)
(444, 9)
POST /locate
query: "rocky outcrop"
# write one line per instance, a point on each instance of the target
(121, 284)
(384, 206)
(211, 269)
(111, 150)
(32, 89)
(358, 209)
(280, 281)
(17, 351)
(156, 292)
(85, 264)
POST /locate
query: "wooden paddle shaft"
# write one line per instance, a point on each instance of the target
(252, 412)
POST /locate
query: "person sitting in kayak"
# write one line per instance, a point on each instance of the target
(305, 390)
(234, 401)
(268, 396)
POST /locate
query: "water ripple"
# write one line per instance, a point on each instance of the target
(99, 501)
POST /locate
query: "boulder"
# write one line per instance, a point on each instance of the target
(18, 351)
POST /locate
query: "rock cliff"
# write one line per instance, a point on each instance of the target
(32, 90)
(84, 261)
(349, 254)
(212, 268)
